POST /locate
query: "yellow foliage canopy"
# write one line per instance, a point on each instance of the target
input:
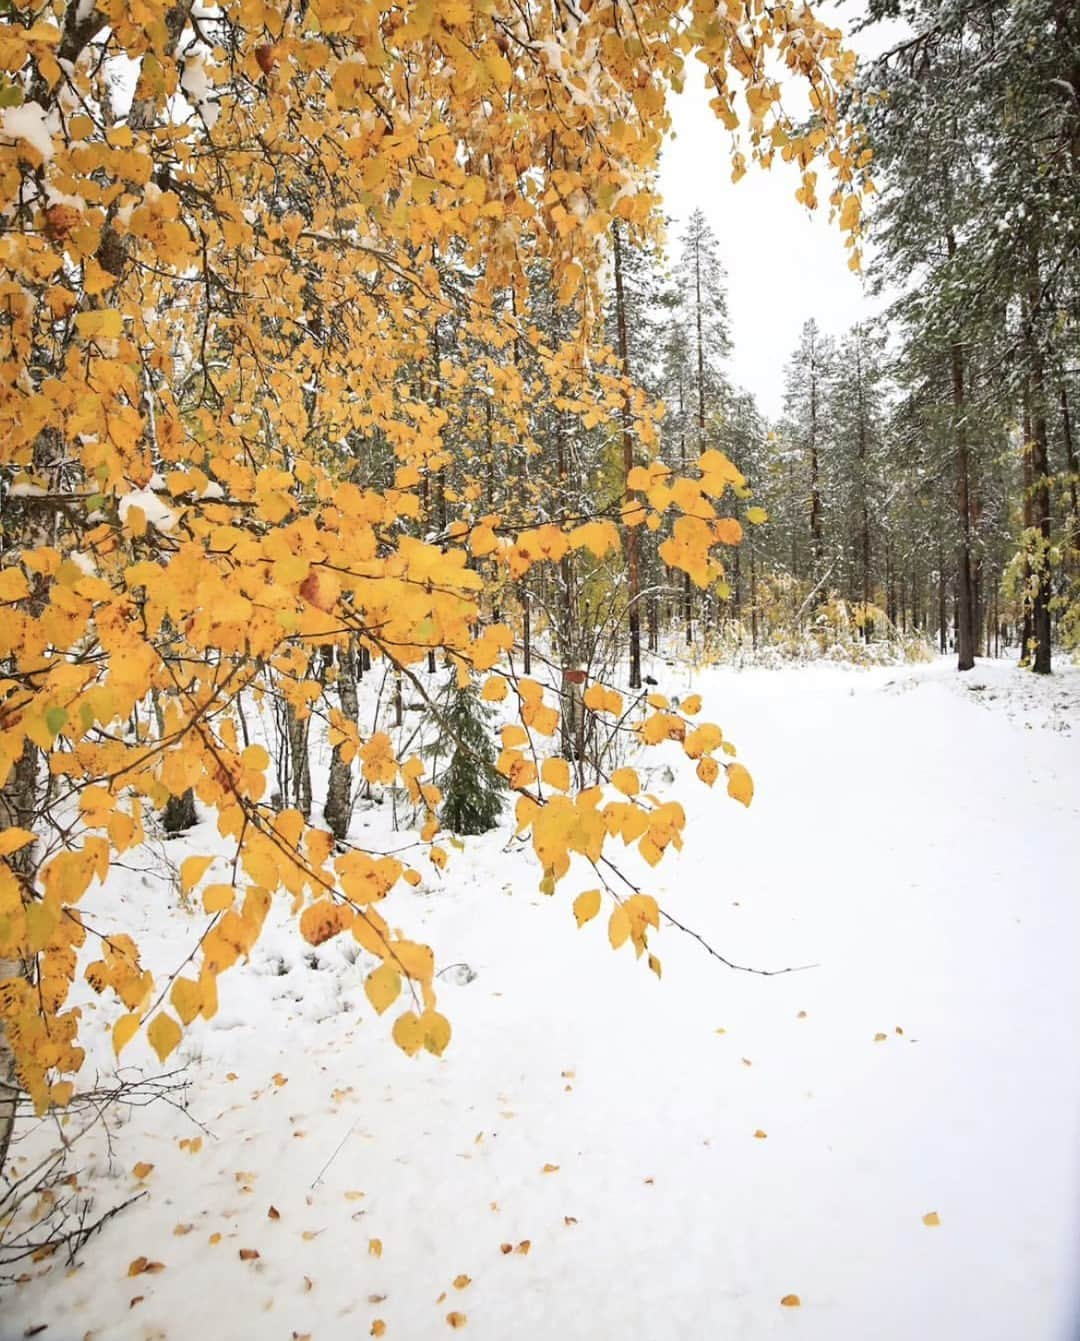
(226, 301)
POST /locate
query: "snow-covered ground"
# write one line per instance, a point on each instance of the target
(714, 1142)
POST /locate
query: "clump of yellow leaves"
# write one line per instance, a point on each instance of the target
(240, 312)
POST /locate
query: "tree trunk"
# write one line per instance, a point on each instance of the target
(299, 764)
(1040, 469)
(1073, 534)
(864, 482)
(943, 617)
(965, 620)
(18, 809)
(816, 545)
(338, 809)
(632, 559)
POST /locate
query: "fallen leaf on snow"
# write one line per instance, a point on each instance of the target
(142, 1169)
(760, 1135)
(505, 1248)
(931, 1219)
(378, 1327)
(569, 1219)
(462, 1282)
(273, 1213)
(523, 1247)
(179, 1230)
(248, 1254)
(456, 1320)
(550, 1168)
(143, 1265)
(791, 1301)
(375, 1247)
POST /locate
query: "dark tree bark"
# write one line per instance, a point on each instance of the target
(632, 556)
(338, 809)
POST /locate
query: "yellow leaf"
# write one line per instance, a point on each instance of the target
(586, 906)
(14, 838)
(550, 1168)
(850, 213)
(382, 987)
(216, 898)
(494, 690)
(482, 541)
(436, 1029)
(104, 325)
(186, 997)
(791, 1301)
(124, 1030)
(61, 1093)
(255, 758)
(378, 1327)
(13, 585)
(192, 870)
(163, 1035)
(740, 785)
(142, 1169)
(619, 927)
(375, 1247)
(931, 1219)
(556, 773)
(462, 1282)
(756, 516)
(626, 780)
(408, 1033)
(456, 1320)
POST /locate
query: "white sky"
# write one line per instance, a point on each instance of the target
(784, 265)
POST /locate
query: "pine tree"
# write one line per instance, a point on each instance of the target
(472, 789)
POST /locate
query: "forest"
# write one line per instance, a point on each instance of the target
(391, 941)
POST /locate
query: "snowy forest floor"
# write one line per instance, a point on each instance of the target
(915, 836)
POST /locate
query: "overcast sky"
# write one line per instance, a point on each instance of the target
(783, 264)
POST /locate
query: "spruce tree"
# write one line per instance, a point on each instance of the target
(472, 789)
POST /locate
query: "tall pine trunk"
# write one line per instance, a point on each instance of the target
(965, 599)
(632, 557)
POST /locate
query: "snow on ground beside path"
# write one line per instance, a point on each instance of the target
(912, 836)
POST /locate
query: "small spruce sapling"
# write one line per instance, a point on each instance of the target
(472, 789)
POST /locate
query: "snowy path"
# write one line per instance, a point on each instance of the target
(921, 847)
